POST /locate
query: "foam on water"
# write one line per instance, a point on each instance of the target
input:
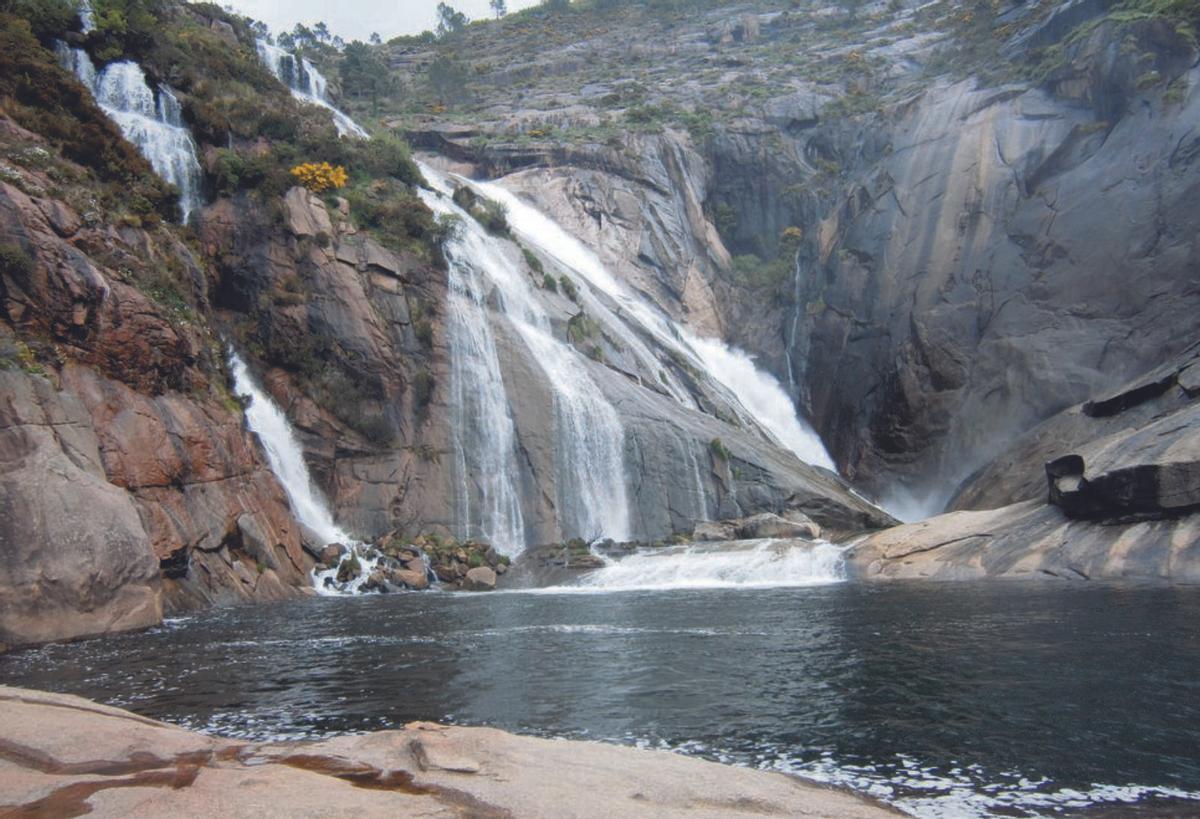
(749, 564)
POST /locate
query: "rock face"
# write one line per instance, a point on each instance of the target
(979, 249)
(1121, 475)
(129, 485)
(1030, 540)
(76, 757)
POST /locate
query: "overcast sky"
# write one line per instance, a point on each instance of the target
(356, 19)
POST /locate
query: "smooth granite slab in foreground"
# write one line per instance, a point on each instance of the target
(62, 755)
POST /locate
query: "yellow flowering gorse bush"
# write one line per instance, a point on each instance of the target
(320, 176)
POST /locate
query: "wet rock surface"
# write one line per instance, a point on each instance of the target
(129, 483)
(1086, 494)
(65, 755)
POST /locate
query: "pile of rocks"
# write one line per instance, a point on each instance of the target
(394, 563)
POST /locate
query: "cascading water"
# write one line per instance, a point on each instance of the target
(592, 498)
(751, 564)
(758, 393)
(152, 122)
(286, 460)
(284, 455)
(487, 501)
(87, 17)
(306, 84)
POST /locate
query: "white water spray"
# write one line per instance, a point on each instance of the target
(151, 121)
(751, 564)
(306, 84)
(758, 392)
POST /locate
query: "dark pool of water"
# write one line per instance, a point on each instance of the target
(948, 700)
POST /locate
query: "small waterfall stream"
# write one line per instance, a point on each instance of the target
(286, 459)
(285, 456)
(306, 84)
(87, 17)
(151, 121)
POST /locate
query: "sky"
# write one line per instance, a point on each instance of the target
(357, 19)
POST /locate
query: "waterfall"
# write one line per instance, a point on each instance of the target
(284, 455)
(306, 84)
(590, 447)
(484, 434)
(87, 17)
(757, 392)
(152, 122)
(687, 448)
(763, 396)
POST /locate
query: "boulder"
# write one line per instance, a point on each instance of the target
(480, 579)
(712, 530)
(410, 578)
(332, 554)
(766, 525)
(349, 569)
(307, 216)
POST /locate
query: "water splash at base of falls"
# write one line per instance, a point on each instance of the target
(749, 564)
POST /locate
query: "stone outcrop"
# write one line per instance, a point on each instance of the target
(130, 486)
(763, 525)
(67, 756)
(1030, 540)
(1108, 493)
(1137, 451)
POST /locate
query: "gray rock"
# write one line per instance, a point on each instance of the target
(480, 579)
(307, 215)
(767, 525)
(332, 553)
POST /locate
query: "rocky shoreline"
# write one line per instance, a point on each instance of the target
(65, 755)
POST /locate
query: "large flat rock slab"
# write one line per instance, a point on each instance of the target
(1030, 540)
(64, 755)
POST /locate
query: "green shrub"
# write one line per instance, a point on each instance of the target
(548, 283)
(569, 288)
(14, 261)
(41, 97)
(389, 155)
(717, 447)
(423, 384)
(535, 264)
